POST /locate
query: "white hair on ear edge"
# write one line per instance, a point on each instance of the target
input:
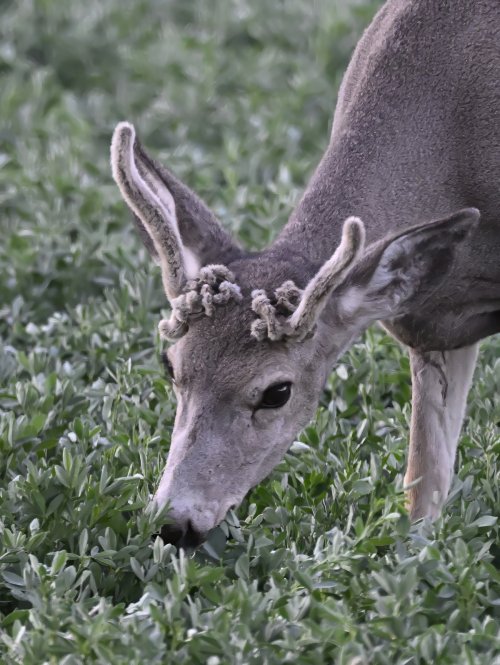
(158, 216)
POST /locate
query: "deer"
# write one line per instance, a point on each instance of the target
(399, 224)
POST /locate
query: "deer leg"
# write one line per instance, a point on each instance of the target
(440, 384)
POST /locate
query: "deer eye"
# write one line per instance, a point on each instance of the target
(276, 396)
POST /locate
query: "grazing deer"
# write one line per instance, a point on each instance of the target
(415, 138)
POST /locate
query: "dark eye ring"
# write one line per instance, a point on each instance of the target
(276, 396)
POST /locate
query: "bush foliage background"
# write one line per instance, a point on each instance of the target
(321, 564)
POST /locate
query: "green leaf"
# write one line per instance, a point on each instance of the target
(242, 567)
(12, 578)
(59, 561)
(484, 521)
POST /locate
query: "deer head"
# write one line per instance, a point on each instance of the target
(256, 334)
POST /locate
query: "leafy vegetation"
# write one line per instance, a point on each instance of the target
(320, 564)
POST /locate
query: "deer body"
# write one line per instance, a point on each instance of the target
(415, 138)
(416, 134)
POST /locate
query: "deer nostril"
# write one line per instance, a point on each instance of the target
(179, 536)
(192, 537)
(171, 534)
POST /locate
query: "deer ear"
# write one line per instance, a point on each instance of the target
(203, 238)
(328, 278)
(307, 305)
(396, 273)
(157, 215)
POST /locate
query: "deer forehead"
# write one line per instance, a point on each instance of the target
(218, 352)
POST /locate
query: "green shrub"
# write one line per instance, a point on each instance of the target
(321, 564)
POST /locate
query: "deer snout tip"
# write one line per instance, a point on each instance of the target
(185, 536)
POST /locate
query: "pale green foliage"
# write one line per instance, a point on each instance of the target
(323, 566)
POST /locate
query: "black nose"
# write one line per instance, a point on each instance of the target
(181, 536)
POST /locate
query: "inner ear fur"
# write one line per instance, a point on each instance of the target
(395, 270)
(200, 231)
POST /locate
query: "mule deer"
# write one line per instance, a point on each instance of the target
(415, 138)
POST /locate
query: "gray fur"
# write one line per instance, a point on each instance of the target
(415, 138)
